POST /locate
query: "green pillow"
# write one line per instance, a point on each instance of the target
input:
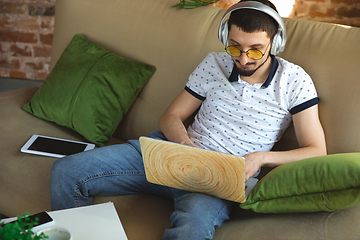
(325, 183)
(89, 90)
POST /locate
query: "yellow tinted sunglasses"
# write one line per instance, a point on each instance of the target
(251, 53)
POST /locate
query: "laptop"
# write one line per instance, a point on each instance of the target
(194, 169)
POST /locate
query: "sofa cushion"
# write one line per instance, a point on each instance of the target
(325, 183)
(89, 90)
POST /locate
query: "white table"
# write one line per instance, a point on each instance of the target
(89, 223)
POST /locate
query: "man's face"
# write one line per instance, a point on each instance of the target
(245, 41)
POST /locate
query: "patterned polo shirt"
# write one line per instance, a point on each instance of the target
(236, 117)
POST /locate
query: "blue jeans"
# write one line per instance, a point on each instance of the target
(118, 170)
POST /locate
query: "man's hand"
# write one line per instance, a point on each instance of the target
(188, 143)
(253, 162)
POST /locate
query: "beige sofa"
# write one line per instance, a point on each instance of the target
(175, 42)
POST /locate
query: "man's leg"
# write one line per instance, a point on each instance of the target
(118, 170)
(107, 171)
(197, 215)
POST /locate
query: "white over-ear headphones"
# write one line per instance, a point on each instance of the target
(279, 40)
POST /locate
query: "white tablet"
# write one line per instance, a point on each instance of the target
(54, 147)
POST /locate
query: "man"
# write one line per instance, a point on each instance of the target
(247, 99)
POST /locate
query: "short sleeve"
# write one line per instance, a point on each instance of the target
(303, 92)
(194, 84)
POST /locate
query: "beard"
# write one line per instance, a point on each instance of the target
(249, 72)
(246, 72)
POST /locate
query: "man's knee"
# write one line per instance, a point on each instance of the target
(198, 215)
(61, 168)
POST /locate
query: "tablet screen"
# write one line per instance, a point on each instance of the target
(50, 145)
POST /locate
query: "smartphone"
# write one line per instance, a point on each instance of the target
(54, 147)
(44, 219)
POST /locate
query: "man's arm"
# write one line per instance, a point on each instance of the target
(171, 122)
(310, 137)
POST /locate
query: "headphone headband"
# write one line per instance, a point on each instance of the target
(280, 37)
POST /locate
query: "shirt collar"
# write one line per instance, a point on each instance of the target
(234, 76)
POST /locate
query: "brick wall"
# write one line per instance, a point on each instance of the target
(26, 29)
(26, 32)
(345, 12)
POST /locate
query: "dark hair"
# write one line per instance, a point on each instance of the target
(250, 20)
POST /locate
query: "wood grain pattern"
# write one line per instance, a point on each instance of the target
(194, 169)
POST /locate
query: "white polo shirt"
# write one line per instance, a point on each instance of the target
(239, 118)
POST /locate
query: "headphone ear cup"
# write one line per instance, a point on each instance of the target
(224, 33)
(276, 44)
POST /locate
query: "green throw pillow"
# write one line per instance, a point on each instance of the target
(325, 183)
(89, 90)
